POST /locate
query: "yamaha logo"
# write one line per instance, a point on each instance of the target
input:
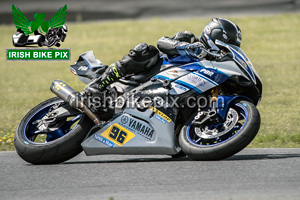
(137, 126)
(124, 119)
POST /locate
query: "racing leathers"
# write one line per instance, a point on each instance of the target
(140, 59)
(143, 57)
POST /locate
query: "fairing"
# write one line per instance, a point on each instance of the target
(203, 75)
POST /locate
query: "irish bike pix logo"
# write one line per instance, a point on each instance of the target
(39, 33)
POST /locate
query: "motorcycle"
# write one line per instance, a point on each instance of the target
(205, 110)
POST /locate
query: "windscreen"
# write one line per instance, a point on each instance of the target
(243, 60)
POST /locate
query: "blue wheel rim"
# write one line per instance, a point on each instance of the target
(31, 133)
(195, 140)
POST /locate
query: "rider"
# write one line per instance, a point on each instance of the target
(55, 35)
(143, 57)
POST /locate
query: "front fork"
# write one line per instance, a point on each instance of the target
(220, 106)
(211, 115)
(214, 98)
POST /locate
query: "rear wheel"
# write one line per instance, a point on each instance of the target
(221, 140)
(59, 144)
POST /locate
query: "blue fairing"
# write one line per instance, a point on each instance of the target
(210, 74)
(243, 62)
(224, 102)
(179, 60)
(163, 77)
(209, 77)
(195, 66)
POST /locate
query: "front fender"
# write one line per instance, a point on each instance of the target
(224, 102)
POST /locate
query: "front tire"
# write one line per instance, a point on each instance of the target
(59, 145)
(226, 145)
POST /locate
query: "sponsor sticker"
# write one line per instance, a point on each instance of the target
(103, 140)
(196, 80)
(160, 118)
(181, 87)
(249, 63)
(242, 62)
(59, 85)
(161, 114)
(124, 119)
(173, 73)
(207, 72)
(137, 127)
(118, 134)
(83, 68)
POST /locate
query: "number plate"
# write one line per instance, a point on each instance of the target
(118, 134)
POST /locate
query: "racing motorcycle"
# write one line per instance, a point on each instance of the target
(205, 110)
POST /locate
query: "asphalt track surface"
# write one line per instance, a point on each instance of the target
(250, 174)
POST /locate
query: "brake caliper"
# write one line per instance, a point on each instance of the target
(49, 122)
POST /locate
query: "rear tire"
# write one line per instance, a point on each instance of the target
(55, 151)
(228, 147)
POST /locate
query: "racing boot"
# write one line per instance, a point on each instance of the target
(111, 74)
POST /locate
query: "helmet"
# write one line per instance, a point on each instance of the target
(64, 28)
(223, 30)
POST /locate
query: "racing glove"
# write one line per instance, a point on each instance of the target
(193, 50)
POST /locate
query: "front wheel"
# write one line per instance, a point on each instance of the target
(61, 143)
(221, 140)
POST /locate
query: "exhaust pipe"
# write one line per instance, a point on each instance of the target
(73, 98)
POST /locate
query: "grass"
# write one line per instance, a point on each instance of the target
(271, 42)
